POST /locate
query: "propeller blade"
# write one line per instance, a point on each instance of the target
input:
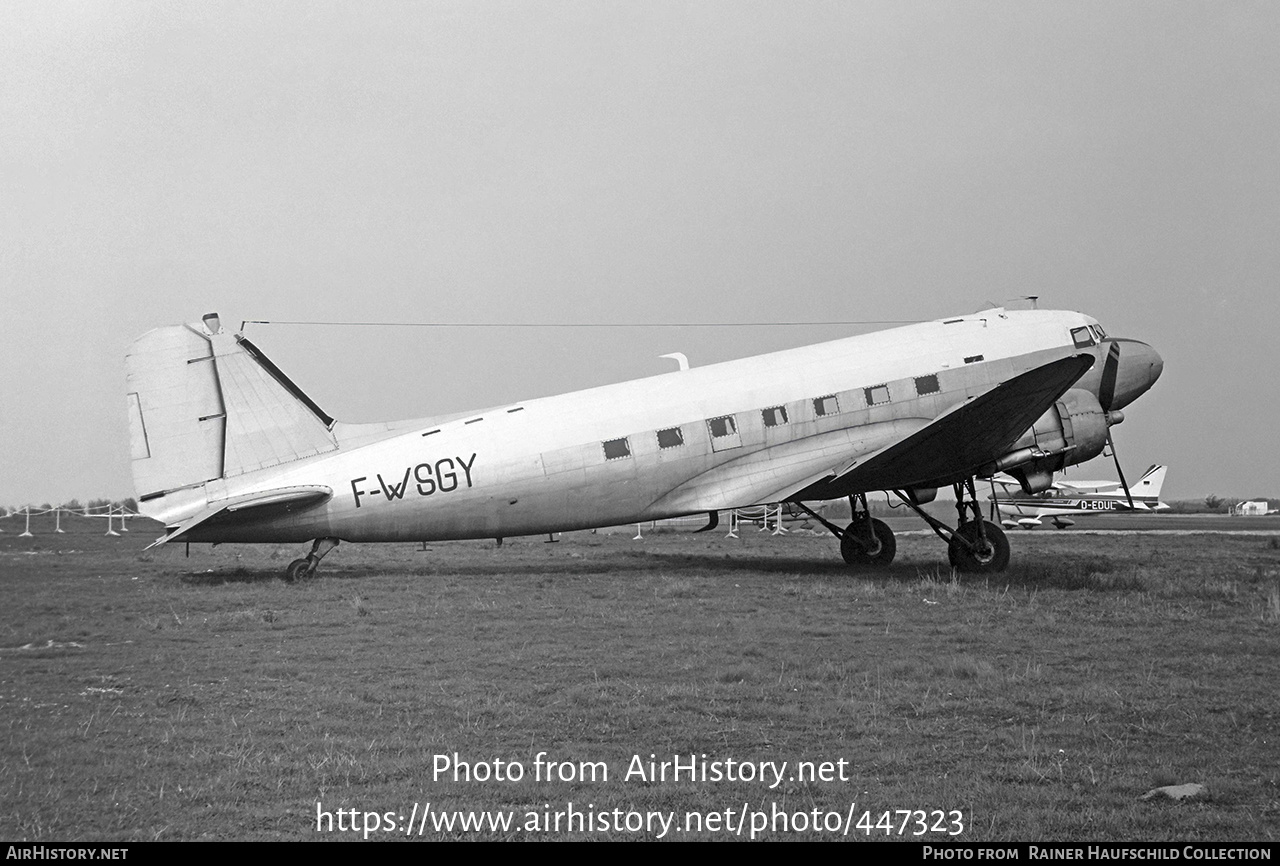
(1119, 471)
(1110, 369)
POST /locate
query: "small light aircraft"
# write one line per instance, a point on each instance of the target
(225, 447)
(1075, 497)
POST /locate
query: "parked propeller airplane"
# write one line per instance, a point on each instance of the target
(1076, 497)
(226, 448)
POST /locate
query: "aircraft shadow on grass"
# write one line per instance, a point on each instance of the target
(1093, 574)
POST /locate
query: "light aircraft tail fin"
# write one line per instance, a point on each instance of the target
(205, 404)
(1150, 483)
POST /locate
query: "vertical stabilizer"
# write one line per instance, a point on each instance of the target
(204, 404)
(1149, 484)
(269, 420)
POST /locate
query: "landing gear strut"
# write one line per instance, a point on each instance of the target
(864, 542)
(975, 545)
(303, 569)
(978, 546)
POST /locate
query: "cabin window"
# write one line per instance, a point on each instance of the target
(972, 359)
(927, 385)
(826, 405)
(724, 433)
(616, 449)
(877, 394)
(722, 426)
(1082, 337)
(670, 438)
(774, 417)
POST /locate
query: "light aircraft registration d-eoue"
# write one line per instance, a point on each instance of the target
(1065, 497)
(226, 448)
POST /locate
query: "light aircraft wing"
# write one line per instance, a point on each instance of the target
(960, 441)
(1086, 486)
(262, 502)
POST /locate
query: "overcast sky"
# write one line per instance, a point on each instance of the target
(552, 162)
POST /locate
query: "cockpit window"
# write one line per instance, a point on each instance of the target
(1102, 335)
(1083, 337)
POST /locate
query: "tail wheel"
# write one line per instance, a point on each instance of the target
(969, 553)
(299, 569)
(886, 545)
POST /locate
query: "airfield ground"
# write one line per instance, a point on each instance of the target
(154, 696)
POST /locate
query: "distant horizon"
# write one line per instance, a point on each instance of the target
(942, 495)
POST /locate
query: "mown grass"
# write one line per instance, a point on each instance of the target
(160, 697)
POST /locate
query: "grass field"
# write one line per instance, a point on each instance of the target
(154, 696)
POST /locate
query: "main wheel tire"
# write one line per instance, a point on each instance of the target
(995, 556)
(299, 569)
(854, 554)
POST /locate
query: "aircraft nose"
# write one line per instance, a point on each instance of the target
(1142, 365)
(1131, 368)
(1156, 366)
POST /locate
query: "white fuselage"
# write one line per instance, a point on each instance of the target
(596, 458)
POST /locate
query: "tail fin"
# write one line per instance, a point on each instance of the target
(204, 405)
(1150, 483)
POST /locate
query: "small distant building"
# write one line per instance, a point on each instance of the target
(1256, 508)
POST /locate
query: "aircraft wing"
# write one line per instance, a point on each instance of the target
(960, 441)
(282, 499)
(893, 454)
(1086, 486)
(773, 474)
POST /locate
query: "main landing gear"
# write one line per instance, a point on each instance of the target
(865, 542)
(974, 546)
(303, 569)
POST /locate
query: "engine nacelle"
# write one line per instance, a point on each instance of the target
(922, 495)
(1073, 431)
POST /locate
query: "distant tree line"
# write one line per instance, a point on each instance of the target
(1213, 504)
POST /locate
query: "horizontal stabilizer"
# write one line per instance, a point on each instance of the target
(286, 497)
